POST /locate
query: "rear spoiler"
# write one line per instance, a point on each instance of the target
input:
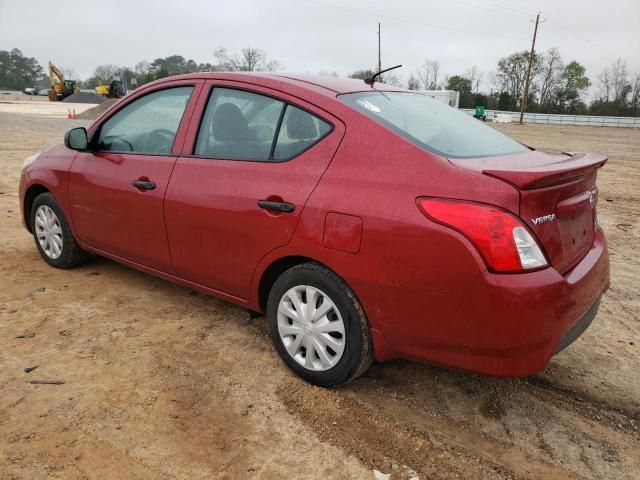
(578, 165)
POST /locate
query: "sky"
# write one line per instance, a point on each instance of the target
(310, 36)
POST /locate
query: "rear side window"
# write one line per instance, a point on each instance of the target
(241, 125)
(146, 125)
(299, 130)
(238, 125)
(432, 125)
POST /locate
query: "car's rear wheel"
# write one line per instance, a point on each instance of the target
(318, 326)
(52, 234)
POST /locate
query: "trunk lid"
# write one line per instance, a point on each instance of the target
(558, 197)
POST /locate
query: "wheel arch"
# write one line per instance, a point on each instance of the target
(382, 349)
(273, 271)
(32, 192)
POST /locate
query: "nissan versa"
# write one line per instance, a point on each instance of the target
(366, 222)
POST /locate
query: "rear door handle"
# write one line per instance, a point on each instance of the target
(277, 206)
(144, 184)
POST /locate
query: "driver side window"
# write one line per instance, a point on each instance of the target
(147, 125)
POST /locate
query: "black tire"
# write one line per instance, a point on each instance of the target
(72, 255)
(358, 350)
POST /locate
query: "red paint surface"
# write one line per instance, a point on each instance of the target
(426, 290)
(342, 232)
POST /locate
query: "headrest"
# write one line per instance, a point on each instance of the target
(300, 125)
(229, 124)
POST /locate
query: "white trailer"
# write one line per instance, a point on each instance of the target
(502, 118)
(449, 97)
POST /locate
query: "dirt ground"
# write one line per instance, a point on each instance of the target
(18, 103)
(163, 382)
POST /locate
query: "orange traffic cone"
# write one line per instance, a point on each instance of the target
(73, 115)
(69, 114)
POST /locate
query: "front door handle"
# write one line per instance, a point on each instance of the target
(144, 184)
(277, 206)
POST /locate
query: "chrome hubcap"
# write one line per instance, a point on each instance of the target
(311, 328)
(48, 232)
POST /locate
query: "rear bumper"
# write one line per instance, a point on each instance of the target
(499, 325)
(578, 328)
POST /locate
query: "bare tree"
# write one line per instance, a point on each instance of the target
(362, 74)
(635, 95)
(391, 78)
(510, 75)
(248, 60)
(550, 75)
(604, 85)
(104, 73)
(413, 83)
(474, 75)
(69, 73)
(614, 84)
(497, 81)
(142, 68)
(428, 74)
(619, 76)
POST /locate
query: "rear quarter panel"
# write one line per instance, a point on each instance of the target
(377, 176)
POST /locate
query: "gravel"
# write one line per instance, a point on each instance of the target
(84, 97)
(94, 112)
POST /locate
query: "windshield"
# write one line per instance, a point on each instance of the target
(432, 125)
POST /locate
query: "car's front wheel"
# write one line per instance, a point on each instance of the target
(53, 235)
(318, 326)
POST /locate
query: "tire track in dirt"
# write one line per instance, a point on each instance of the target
(625, 420)
(385, 440)
(521, 426)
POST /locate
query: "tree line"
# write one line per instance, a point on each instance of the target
(556, 86)
(18, 71)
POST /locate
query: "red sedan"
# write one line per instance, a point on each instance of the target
(366, 222)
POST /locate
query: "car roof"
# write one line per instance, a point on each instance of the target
(323, 84)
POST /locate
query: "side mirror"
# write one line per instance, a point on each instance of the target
(76, 139)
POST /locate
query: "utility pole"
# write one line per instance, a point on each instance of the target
(379, 55)
(525, 96)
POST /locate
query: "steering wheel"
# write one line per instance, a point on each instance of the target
(115, 140)
(159, 140)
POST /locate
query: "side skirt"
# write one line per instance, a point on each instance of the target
(172, 278)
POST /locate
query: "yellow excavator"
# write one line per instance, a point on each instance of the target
(116, 88)
(60, 88)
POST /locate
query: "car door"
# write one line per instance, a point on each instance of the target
(250, 162)
(117, 188)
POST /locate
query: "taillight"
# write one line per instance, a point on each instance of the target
(593, 201)
(503, 241)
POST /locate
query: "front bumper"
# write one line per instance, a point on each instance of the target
(499, 325)
(21, 196)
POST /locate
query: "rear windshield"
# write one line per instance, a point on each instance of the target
(432, 125)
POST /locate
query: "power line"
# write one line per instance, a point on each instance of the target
(412, 22)
(565, 31)
(494, 8)
(490, 6)
(510, 8)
